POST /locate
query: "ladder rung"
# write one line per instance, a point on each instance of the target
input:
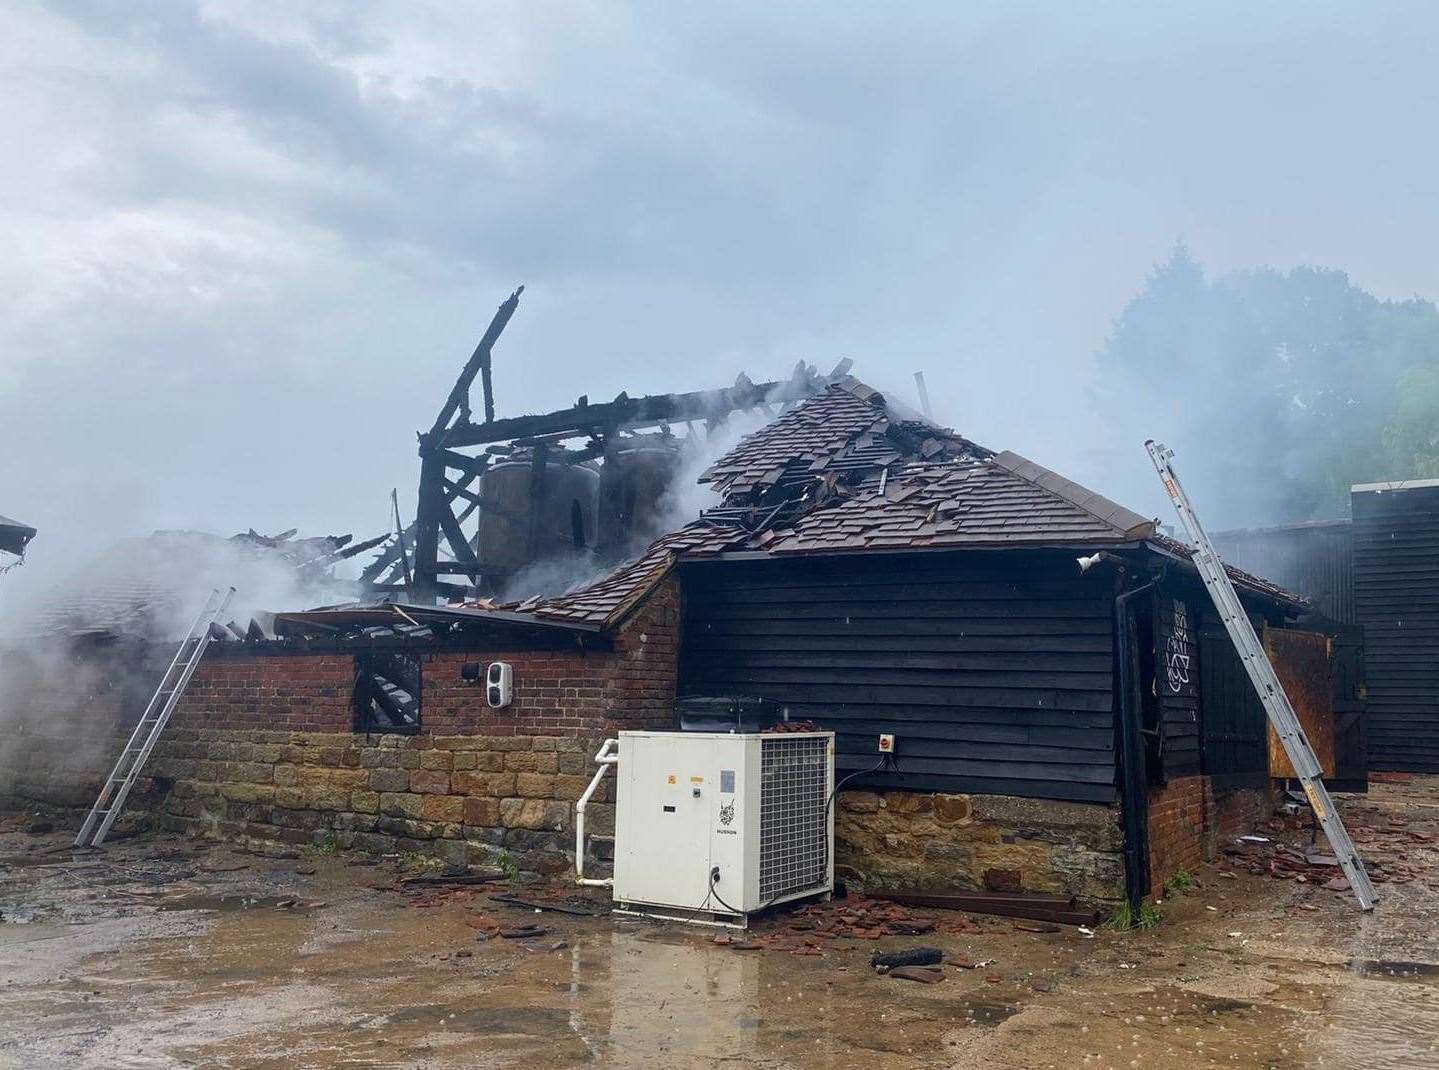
(192, 649)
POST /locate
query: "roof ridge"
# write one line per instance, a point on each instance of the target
(1124, 520)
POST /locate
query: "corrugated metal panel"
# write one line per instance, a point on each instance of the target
(993, 671)
(1396, 579)
(1315, 560)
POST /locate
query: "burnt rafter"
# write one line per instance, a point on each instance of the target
(448, 497)
(631, 414)
(459, 400)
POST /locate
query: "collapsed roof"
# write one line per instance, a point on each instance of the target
(849, 471)
(845, 470)
(150, 587)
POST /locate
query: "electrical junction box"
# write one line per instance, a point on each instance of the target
(755, 807)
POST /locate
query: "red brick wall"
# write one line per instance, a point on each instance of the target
(262, 747)
(1189, 822)
(1176, 828)
(308, 693)
(556, 692)
(1233, 813)
(70, 729)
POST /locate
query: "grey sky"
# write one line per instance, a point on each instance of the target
(248, 245)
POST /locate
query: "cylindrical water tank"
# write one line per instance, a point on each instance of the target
(518, 529)
(635, 477)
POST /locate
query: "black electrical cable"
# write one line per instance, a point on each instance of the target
(884, 761)
(714, 880)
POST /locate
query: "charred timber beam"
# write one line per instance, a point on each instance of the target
(459, 399)
(454, 568)
(400, 539)
(459, 545)
(429, 508)
(473, 467)
(459, 490)
(626, 413)
(355, 549)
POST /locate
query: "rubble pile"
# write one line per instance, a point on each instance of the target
(1386, 845)
(811, 928)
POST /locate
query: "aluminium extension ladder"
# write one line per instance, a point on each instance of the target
(157, 714)
(1266, 683)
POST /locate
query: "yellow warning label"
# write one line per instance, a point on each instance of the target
(697, 780)
(672, 779)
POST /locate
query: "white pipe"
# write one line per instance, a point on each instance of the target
(606, 758)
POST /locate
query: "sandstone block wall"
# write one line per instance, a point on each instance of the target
(994, 842)
(493, 799)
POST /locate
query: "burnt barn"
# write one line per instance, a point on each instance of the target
(1068, 715)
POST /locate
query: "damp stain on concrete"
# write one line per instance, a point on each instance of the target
(136, 961)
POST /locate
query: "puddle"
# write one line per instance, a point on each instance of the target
(976, 1011)
(1394, 970)
(494, 1021)
(232, 902)
(255, 972)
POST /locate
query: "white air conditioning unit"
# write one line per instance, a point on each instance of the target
(713, 826)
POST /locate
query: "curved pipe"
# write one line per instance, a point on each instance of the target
(605, 757)
(1133, 787)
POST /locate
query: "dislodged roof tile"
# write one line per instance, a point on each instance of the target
(610, 598)
(811, 431)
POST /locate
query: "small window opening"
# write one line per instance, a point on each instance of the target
(387, 693)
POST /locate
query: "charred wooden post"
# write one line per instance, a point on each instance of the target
(459, 399)
(434, 513)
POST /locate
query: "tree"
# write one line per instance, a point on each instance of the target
(1280, 389)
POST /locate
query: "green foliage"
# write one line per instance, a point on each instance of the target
(506, 862)
(1278, 389)
(1123, 919)
(1179, 883)
(326, 843)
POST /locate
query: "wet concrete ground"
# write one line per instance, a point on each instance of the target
(159, 952)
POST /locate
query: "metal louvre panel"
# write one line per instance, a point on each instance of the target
(793, 840)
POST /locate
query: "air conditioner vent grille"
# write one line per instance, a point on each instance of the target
(793, 831)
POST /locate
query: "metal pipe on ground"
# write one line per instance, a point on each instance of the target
(1034, 907)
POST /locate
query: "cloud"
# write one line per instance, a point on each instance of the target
(249, 244)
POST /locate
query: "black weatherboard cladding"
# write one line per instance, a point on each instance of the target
(1396, 585)
(992, 669)
(1235, 726)
(1176, 684)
